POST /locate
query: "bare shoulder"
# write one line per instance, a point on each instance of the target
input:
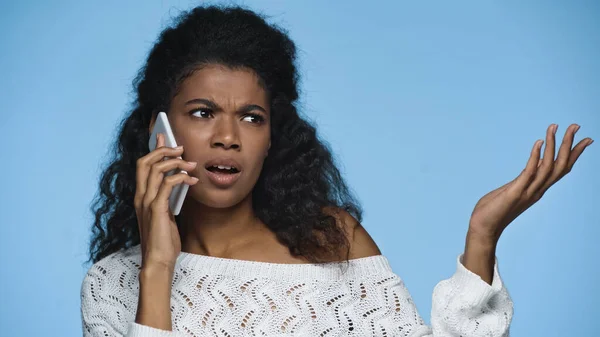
(361, 243)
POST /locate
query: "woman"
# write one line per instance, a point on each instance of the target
(269, 241)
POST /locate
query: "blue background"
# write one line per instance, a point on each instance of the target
(427, 104)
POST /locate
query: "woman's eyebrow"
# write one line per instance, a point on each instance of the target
(212, 105)
(250, 107)
(209, 104)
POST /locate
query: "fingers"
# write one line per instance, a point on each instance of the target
(577, 151)
(161, 202)
(537, 178)
(144, 164)
(160, 140)
(529, 173)
(566, 156)
(562, 159)
(546, 168)
(158, 172)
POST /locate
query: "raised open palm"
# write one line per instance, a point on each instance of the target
(497, 209)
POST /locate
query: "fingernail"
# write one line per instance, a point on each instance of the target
(576, 128)
(194, 179)
(193, 163)
(590, 142)
(555, 128)
(179, 147)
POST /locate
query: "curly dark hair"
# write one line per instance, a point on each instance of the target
(299, 182)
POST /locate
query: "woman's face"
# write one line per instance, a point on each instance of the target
(221, 116)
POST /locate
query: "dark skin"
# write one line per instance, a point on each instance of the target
(499, 208)
(218, 111)
(223, 111)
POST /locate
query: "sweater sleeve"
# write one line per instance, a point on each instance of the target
(105, 314)
(464, 305)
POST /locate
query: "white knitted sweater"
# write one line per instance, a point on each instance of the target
(223, 297)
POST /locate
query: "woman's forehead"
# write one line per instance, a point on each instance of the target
(222, 83)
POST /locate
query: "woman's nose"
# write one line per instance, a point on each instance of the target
(226, 135)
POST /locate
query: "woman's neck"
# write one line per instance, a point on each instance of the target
(218, 231)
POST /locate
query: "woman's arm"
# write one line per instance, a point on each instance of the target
(462, 305)
(466, 305)
(109, 302)
(154, 302)
(473, 302)
(479, 256)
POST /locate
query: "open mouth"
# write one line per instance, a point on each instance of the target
(222, 176)
(222, 169)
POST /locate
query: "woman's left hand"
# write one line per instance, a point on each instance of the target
(497, 209)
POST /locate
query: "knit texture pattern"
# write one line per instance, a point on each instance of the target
(214, 296)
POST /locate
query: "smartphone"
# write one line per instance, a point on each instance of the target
(179, 191)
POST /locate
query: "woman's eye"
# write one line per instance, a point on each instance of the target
(202, 113)
(252, 118)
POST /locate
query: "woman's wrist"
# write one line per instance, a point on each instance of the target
(154, 301)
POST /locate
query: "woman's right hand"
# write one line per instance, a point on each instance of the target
(159, 236)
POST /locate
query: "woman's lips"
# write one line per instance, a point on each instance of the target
(222, 180)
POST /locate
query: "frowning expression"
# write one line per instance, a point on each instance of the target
(221, 116)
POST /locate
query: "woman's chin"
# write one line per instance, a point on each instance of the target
(217, 199)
